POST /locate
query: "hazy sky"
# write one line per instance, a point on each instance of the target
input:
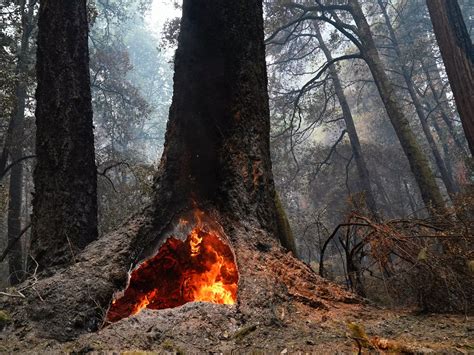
(161, 11)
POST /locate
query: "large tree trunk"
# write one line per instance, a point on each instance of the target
(65, 203)
(362, 170)
(425, 179)
(445, 176)
(458, 57)
(216, 168)
(217, 150)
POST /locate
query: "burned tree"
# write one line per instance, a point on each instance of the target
(211, 233)
(458, 57)
(65, 203)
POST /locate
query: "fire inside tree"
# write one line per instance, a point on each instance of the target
(216, 159)
(200, 268)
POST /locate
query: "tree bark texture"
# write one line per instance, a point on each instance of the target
(425, 179)
(64, 217)
(457, 51)
(217, 150)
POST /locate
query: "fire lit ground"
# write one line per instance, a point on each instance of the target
(202, 268)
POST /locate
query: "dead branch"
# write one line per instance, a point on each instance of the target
(12, 242)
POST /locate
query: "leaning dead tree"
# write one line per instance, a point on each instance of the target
(212, 232)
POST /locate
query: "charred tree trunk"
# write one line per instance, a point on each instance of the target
(445, 176)
(217, 151)
(64, 217)
(362, 170)
(425, 179)
(458, 57)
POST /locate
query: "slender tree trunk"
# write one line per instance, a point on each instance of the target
(65, 203)
(445, 176)
(430, 192)
(410, 199)
(458, 57)
(14, 148)
(383, 195)
(26, 13)
(15, 256)
(442, 135)
(442, 104)
(362, 170)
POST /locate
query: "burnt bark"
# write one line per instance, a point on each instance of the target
(217, 151)
(425, 179)
(457, 51)
(362, 170)
(64, 217)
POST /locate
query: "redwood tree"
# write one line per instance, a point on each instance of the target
(65, 203)
(217, 151)
(458, 57)
(216, 159)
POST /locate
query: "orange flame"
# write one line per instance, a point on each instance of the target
(202, 268)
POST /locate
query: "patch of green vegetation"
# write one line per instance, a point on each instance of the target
(4, 319)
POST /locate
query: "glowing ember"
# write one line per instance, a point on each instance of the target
(202, 268)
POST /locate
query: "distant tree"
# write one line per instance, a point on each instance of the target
(14, 143)
(410, 85)
(65, 203)
(362, 170)
(457, 51)
(360, 34)
(131, 92)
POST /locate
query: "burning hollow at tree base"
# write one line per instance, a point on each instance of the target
(201, 268)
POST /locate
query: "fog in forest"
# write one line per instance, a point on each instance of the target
(367, 144)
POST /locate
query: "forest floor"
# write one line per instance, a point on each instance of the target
(283, 307)
(296, 328)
